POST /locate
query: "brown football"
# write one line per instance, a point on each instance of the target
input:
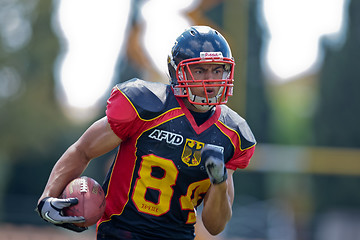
(91, 200)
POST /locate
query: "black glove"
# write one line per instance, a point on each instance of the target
(214, 163)
(50, 209)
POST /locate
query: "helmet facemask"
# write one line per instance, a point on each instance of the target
(187, 82)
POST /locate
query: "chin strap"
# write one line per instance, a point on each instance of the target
(203, 107)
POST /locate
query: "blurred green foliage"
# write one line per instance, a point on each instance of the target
(30, 117)
(34, 131)
(337, 117)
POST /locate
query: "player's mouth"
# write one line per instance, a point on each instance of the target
(210, 92)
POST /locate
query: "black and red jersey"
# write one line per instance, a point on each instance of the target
(158, 177)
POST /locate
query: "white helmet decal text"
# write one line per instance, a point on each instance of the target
(211, 55)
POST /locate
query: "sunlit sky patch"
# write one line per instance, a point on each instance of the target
(163, 27)
(93, 33)
(295, 29)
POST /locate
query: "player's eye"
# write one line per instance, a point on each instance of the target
(198, 71)
(218, 71)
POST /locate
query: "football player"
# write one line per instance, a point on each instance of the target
(178, 146)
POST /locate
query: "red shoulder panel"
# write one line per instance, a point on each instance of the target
(241, 158)
(121, 114)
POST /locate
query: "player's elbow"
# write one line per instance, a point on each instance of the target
(215, 229)
(216, 226)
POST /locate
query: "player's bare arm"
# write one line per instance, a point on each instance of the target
(97, 140)
(217, 205)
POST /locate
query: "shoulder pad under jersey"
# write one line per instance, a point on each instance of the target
(150, 99)
(233, 121)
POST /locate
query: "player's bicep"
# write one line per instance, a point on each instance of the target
(98, 139)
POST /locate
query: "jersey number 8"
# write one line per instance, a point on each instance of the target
(163, 185)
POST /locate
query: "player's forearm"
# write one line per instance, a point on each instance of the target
(217, 210)
(70, 166)
(97, 140)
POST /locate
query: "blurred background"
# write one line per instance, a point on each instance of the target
(297, 84)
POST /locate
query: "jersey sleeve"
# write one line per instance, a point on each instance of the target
(121, 114)
(242, 139)
(241, 160)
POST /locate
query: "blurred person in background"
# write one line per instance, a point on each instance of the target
(178, 146)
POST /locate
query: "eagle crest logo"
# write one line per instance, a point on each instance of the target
(191, 155)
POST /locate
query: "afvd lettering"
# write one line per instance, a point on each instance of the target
(169, 137)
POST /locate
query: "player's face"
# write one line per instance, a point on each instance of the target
(205, 72)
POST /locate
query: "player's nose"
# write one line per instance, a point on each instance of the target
(210, 75)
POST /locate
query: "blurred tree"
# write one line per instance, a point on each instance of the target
(30, 118)
(30, 115)
(257, 103)
(337, 118)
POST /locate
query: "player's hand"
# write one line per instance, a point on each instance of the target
(214, 163)
(50, 209)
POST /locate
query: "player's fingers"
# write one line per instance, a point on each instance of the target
(58, 219)
(211, 151)
(214, 163)
(216, 170)
(62, 203)
(71, 219)
(73, 201)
